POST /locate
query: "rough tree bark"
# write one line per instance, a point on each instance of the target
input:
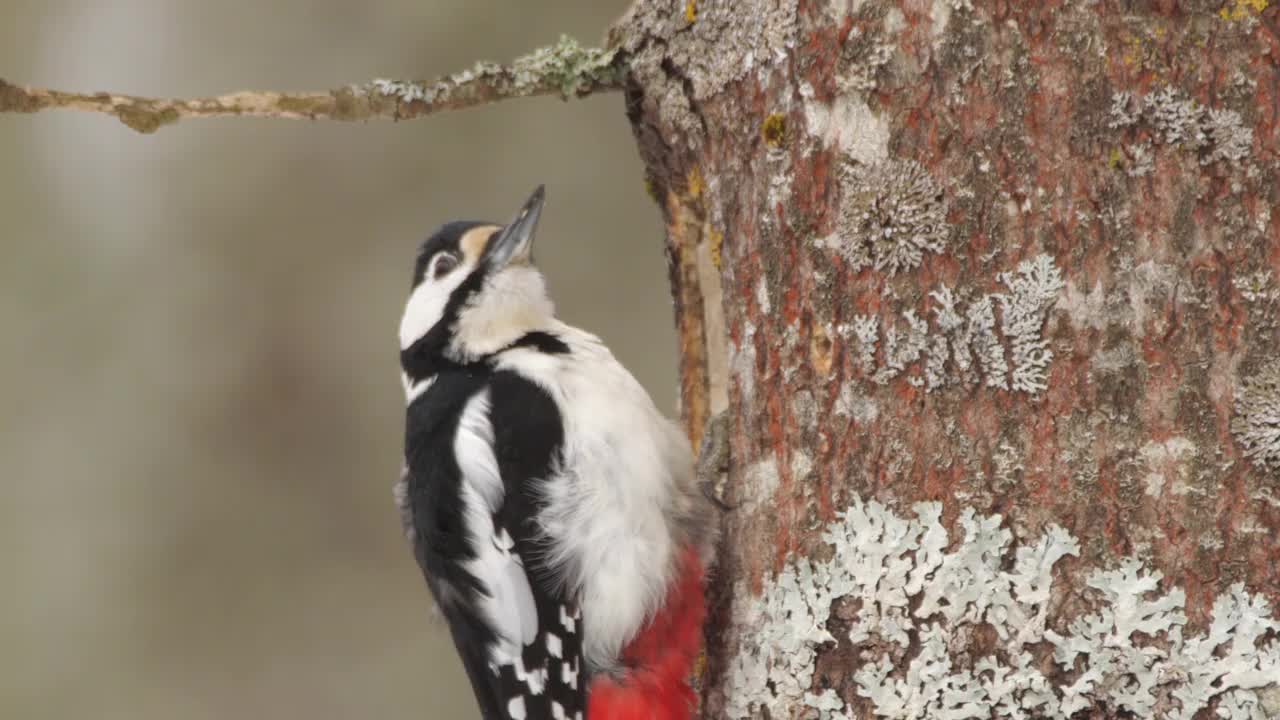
(986, 292)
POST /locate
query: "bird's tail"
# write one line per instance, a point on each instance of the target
(660, 659)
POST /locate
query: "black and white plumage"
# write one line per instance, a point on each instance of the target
(546, 498)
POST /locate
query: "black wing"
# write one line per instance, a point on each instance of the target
(471, 517)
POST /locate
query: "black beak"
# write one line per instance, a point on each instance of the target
(515, 241)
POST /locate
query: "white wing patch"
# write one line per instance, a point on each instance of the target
(509, 605)
(473, 447)
(513, 597)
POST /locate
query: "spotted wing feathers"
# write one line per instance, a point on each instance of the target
(483, 449)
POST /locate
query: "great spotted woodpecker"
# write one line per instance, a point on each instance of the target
(552, 508)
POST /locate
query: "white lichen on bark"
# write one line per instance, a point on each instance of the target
(1129, 652)
(1256, 287)
(956, 348)
(891, 214)
(1256, 425)
(1177, 120)
(668, 53)
(1032, 290)
(899, 353)
(866, 331)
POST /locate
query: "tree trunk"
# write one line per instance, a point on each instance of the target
(986, 292)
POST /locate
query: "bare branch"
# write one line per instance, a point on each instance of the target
(567, 69)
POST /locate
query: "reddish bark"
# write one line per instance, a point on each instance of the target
(1012, 108)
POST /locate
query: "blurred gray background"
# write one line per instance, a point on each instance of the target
(201, 405)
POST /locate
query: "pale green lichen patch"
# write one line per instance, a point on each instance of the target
(913, 600)
(566, 67)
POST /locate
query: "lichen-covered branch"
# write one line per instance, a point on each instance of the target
(566, 69)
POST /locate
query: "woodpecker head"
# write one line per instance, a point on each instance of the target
(475, 291)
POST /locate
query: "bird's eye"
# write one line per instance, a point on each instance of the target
(444, 265)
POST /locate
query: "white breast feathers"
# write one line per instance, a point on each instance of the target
(608, 517)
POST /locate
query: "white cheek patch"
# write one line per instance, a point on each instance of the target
(428, 300)
(422, 312)
(426, 304)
